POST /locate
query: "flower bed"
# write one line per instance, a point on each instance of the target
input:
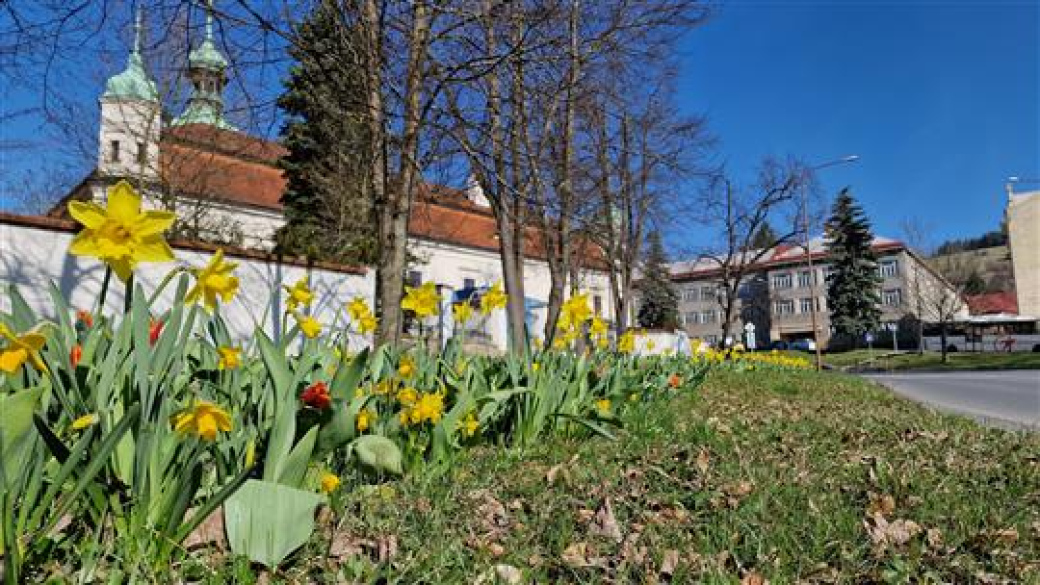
(133, 429)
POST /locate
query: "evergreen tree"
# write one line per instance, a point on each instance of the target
(853, 285)
(975, 284)
(659, 302)
(328, 208)
(765, 237)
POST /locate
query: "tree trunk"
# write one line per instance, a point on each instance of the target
(942, 339)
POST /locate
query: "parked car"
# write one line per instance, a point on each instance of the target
(779, 345)
(803, 345)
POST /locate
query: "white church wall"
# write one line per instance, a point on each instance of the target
(451, 265)
(33, 256)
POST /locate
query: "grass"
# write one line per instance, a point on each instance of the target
(792, 476)
(930, 360)
(885, 359)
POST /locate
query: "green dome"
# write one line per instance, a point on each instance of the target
(207, 55)
(133, 83)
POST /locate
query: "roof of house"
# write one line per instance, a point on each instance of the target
(202, 161)
(782, 255)
(993, 303)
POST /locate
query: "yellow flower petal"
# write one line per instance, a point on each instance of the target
(90, 214)
(124, 204)
(153, 249)
(12, 358)
(85, 244)
(151, 223)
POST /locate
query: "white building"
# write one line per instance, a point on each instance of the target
(226, 186)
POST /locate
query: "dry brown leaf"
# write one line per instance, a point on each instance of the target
(386, 548)
(576, 555)
(508, 574)
(1006, 536)
(211, 531)
(495, 549)
(896, 533)
(753, 578)
(669, 562)
(934, 538)
(604, 523)
(884, 505)
(703, 461)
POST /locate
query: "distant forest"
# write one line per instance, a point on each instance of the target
(987, 240)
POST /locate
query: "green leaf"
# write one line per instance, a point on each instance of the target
(378, 454)
(16, 426)
(267, 521)
(295, 466)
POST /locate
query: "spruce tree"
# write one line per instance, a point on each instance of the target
(659, 302)
(853, 284)
(764, 237)
(328, 210)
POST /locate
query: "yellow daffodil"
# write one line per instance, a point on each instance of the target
(84, 421)
(367, 324)
(493, 299)
(603, 341)
(383, 387)
(627, 342)
(309, 326)
(470, 425)
(536, 366)
(430, 407)
(299, 294)
(423, 300)
(650, 345)
(329, 482)
(230, 358)
(120, 235)
(357, 309)
(598, 326)
(462, 312)
(406, 369)
(202, 419)
(19, 349)
(603, 406)
(213, 281)
(365, 418)
(407, 396)
(574, 312)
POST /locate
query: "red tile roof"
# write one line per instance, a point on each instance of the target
(201, 161)
(993, 303)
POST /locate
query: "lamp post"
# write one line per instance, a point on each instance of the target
(808, 255)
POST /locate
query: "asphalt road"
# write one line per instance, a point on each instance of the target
(1009, 398)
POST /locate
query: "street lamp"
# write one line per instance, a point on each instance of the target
(808, 255)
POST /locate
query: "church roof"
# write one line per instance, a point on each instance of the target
(203, 161)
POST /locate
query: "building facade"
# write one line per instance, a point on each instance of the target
(781, 291)
(1023, 225)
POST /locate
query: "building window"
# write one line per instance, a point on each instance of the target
(142, 153)
(690, 294)
(711, 339)
(414, 278)
(806, 305)
(597, 304)
(691, 318)
(892, 297)
(469, 284)
(784, 307)
(805, 279)
(708, 316)
(889, 268)
(782, 280)
(113, 151)
(707, 293)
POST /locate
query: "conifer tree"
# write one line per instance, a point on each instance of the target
(853, 284)
(659, 302)
(765, 237)
(327, 200)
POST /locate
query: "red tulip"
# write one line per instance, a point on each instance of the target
(154, 330)
(317, 396)
(75, 355)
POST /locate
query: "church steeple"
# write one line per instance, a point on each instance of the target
(207, 69)
(133, 82)
(128, 141)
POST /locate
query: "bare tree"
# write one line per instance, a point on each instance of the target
(738, 214)
(936, 284)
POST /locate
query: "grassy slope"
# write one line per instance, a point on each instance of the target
(929, 360)
(762, 472)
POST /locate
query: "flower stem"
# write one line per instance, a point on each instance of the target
(104, 290)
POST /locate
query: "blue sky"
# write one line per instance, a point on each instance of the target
(940, 100)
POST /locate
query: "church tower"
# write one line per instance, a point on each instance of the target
(207, 70)
(130, 121)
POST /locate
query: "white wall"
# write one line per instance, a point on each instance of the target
(32, 257)
(451, 265)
